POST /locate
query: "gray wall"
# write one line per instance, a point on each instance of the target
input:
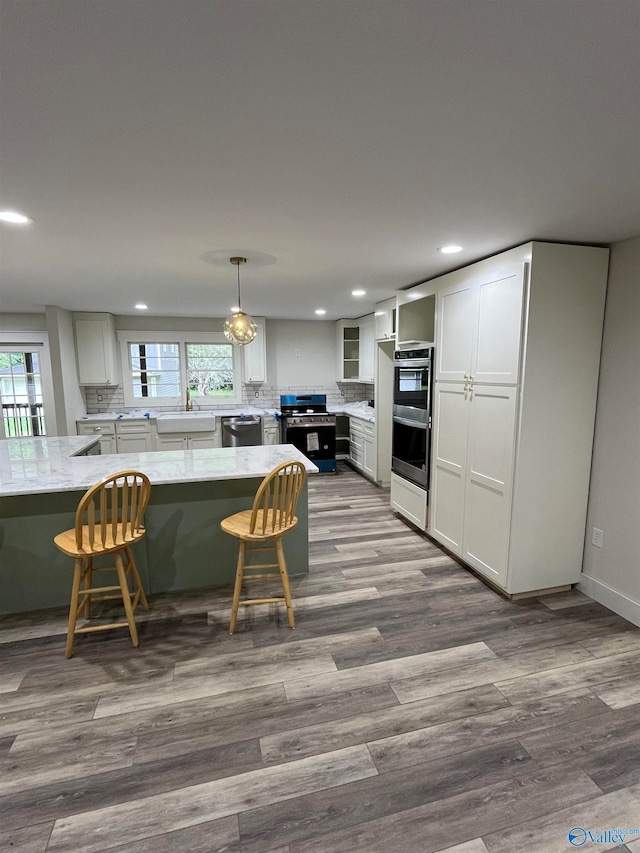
(611, 574)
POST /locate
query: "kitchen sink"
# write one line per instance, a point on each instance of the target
(186, 422)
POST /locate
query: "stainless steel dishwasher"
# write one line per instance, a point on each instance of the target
(240, 431)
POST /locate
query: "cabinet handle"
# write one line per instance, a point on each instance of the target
(97, 429)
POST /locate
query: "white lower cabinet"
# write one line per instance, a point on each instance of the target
(409, 500)
(188, 441)
(270, 431)
(105, 431)
(362, 446)
(134, 436)
(473, 473)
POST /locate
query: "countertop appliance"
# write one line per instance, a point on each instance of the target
(241, 431)
(411, 430)
(307, 425)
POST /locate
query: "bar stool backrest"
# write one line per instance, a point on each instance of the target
(274, 506)
(111, 512)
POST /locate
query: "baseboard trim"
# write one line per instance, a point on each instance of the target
(610, 598)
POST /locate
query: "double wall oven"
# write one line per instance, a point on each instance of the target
(412, 399)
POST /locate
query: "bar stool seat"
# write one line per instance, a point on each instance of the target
(261, 528)
(109, 519)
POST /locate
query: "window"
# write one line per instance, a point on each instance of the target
(155, 370)
(158, 367)
(210, 370)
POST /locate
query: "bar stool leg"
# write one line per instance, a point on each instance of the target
(136, 577)
(238, 586)
(126, 598)
(284, 577)
(73, 607)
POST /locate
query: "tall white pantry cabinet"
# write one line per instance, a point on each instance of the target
(517, 357)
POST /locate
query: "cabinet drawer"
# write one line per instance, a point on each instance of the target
(356, 439)
(356, 425)
(356, 455)
(93, 428)
(133, 427)
(368, 428)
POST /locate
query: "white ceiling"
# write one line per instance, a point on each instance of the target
(334, 143)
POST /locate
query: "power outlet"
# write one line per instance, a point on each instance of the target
(597, 537)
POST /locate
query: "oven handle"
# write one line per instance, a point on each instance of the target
(407, 422)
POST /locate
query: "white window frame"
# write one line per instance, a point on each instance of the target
(126, 337)
(23, 342)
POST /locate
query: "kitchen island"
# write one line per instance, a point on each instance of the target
(43, 479)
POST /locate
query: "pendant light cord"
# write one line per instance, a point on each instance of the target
(239, 302)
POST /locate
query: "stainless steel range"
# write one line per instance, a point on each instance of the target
(307, 425)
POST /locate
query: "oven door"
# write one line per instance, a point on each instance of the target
(316, 441)
(412, 386)
(410, 450)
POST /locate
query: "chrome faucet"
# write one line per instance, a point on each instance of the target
(188, 405)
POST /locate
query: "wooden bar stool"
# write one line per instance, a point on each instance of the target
(108, 521)
(261, 528)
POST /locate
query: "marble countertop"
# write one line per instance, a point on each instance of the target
(355, 410)
(31, 466)
(141, 414)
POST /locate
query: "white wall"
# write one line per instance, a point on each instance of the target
(23, 322)
(69, 401)
(611, 574)
(301, 354)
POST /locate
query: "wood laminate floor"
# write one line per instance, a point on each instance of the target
(412, 709)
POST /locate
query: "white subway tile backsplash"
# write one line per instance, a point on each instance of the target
(112, 397)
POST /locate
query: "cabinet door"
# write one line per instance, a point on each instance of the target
(487, 502)
(450, 434)
(134, 443)
(499, 327)
(255, 355)
(369, 457)
(367, 349)
(172, 442)
(348, 345)
(457, 310)
(107, 444)
(95, 339)
(271, 436)
(203, 441)
(385, 313)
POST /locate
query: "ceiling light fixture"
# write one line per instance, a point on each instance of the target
(320, 311)
(358, 292)
(450, 250)
(14, 217)
(141, 306)
(239, 328)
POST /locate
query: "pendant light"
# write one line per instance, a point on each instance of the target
(239, 328)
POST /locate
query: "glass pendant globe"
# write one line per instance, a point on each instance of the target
(240, 328)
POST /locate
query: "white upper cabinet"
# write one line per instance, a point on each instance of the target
(348, 350)
(367, 344)
(96, 349)
(385, 320)
(355, 341)
(479, 328)
(415, 320)
(255, 355)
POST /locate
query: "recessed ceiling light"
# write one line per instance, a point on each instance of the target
(141, 306)
(358, 292)
(14, 217)
(450, 250)
(320, 311)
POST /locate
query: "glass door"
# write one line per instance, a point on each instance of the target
(21, 393)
